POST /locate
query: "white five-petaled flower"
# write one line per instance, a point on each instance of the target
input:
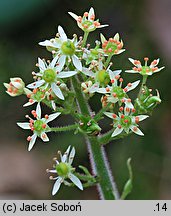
(87, 23)
(116, 93)
(64, 48)
(144, 70)
(126, 121)
(50, 75)
(112, 46)
(64, 170)
(38, 126)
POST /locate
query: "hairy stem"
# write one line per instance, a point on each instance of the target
(106, 186)
(64, 128)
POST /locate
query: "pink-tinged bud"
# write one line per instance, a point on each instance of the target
(15, 87)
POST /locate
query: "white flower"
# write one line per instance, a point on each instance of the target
(64, 170)
(87, 23)
(64, 48)
(38, 126)
(116, 93)
(126, 121)
(50, 75)
(112, 46)
(144, 70)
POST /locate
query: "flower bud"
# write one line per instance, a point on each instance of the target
(16, 87)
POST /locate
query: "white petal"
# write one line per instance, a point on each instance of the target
(32, 142)
(77, 62)
(91, 13)
(7, 85)
(137, 131)
(131, 60)
(71, 156)
(87, 72)
(60, 63)
(142, 117)
(102, 26)
(129, 105)
(44, 137)
(131, 71)
(46, 43)
(36, 84)
(102, 90)
(153, 65)
(94, 88)
(53, 105)
(65, 155)
(76, 181)
(52, 171)
(28, 103)
(66, 74)
(56, 186)
(38, 111)
(117, 72)
(120, 51)
(52, 117)
(159, 69)
(134, 85)
(102, 37)
(117, 131)
(41, 64)
(53, 62)
(116, 37)
(62, 33)
(57, 91)
(73, 15)
(24, 125)
(108, 114)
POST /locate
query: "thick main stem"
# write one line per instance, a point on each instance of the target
(106, 186)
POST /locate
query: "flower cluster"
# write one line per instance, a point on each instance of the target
(66, 83)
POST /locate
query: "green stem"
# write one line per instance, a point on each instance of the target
(99, 115)
(143, 83)
(85, 38)
(106, 186)
(64, 128)
(107, 60)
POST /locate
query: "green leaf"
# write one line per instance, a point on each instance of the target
(128, 186)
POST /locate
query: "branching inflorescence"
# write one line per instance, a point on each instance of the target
(65, 84)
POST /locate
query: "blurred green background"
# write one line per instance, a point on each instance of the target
(145, 29)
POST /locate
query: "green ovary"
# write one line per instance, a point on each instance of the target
(145, 70)
(68, 48)
(103, 78)
(38, 125)
(111, 45)
(126, 121)
(119, 92)
(49, 76)
(62, 169)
